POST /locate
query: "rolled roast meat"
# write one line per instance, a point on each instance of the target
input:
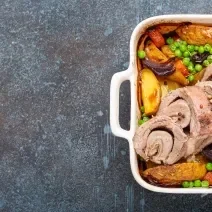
(190, 108)
(160, 140)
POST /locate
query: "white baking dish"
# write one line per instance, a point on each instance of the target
(131, 75)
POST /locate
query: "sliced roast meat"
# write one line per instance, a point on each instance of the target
(194, 144)
(198, 115)
(160, 140)
(180, 112)
(207, 88)
(208, 74)
(201, 145)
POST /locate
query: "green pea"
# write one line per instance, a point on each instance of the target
(207, 47)
(191, 67)
(191, 184)
(144, 115)
(142, 109)
(191, 63)
(201, 49)
(140, 122)
(190, 78)
(205, 184)
(209, 166)
(172, 47)
(141, 54)
(186, 54)
(146, 118)
(210, 51)
(196, 48)
(178, 53)
(197, 183)
(209, 58)
(190, 48)
(169, 40)
(206, 63)
(177, 43)
(198, 67)
(183, 48)
(184, 42)
(185, 184)
(186, 61)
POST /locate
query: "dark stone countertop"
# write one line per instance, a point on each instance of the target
(57, 152)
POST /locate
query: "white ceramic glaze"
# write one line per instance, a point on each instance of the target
(131, 75)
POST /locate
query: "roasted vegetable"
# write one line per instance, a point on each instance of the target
(160, 69)
(181, 67)
(151, 93)
(199, 58)
(156, 37)
(178, 77)
(153, 53)
(167, 28)
(167, 86)
(208, 177)
(207, 152)
(175, 174)
(195, 34)
(167, 51)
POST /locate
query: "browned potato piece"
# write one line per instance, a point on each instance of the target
(166, 28)
(167, 51)
(153, 53)
(195, 34)
(175, 174)
(178, 77)
(151, 92)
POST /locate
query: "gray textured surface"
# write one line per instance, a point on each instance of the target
(56, 149)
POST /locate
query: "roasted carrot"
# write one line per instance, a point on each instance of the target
(181, 67)
(208, 177)
(156, 37)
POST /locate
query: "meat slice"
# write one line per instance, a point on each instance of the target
(199, 114)
(180, 112)
(193, 145)
(208, 74)
(207, 88)
(160, 140)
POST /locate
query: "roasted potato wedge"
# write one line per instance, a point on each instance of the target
(167, 51)
(153, 53)
(167, 86)
(195, 34)
(178, 77)
(175, 174)
(151, 91)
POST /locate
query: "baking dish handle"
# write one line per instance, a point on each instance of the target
(116, 82)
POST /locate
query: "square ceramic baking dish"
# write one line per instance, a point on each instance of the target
(131, 75)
